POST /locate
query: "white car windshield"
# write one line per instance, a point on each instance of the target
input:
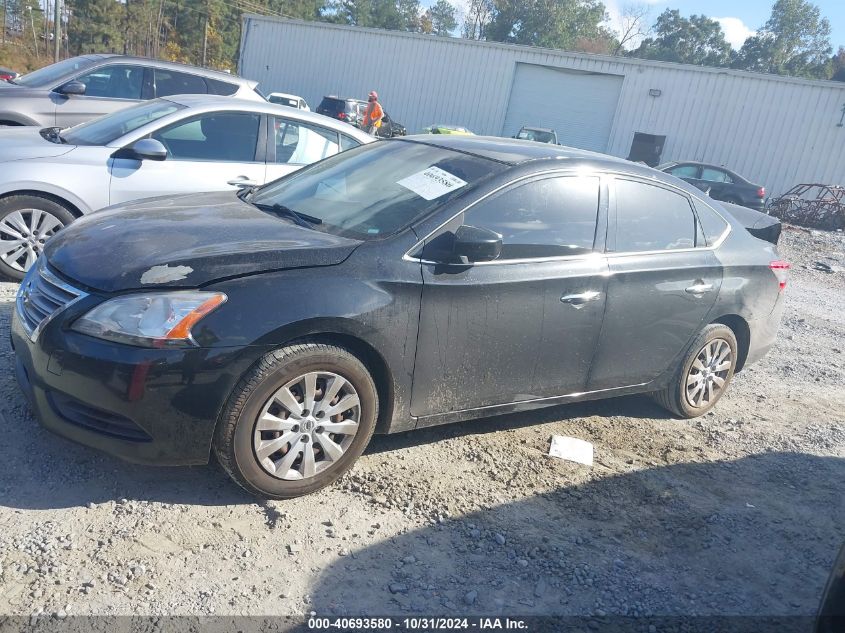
(376, 189)
(106, 129)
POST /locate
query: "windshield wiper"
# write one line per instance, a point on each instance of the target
(53, 134)
(301, 219)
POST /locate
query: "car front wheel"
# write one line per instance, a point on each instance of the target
(297, 421)
(26, 223)
(704, 375)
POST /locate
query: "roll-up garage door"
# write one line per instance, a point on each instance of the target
(580, 106)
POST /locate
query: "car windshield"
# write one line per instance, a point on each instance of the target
(377, 189)
(54, 72)
(111, 127)
(333, 105)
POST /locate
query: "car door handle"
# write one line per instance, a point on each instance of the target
(242, 181)
(699, 288)
(578, 301)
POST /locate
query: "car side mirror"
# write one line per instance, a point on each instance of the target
(475, 244)
(72, 88)
(143, 149)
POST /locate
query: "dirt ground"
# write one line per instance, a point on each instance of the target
(740, 512)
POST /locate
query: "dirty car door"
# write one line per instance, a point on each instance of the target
(521, 327)
(664, 279)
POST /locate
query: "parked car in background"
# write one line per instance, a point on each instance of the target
(82, 88)
(390, 128)
(285, 99)
(538, 134)
(263, 327)
(50, 176)
(344, 109)
(439, 128)
(7, 73)
(721, 183)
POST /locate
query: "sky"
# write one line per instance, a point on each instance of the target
(739, 18)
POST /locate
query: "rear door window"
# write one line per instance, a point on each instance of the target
(169, 82)
(715, 175)
(651, 218)
(552, 217)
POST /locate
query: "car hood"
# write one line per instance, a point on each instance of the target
(26, 143)
(186, 242)
(7, 88)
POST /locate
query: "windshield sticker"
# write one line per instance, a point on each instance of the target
(431, 183)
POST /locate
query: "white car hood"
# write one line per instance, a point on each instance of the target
(26, 143)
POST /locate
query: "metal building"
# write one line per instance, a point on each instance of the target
(777, 131)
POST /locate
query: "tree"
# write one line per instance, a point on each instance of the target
(95, 27)
(633, 27)
(440, 19)
(838, 65)
(549, 23)
(695, 40)
(478, 17)
(794, 41)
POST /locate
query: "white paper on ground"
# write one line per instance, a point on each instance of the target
(572, 449)
(431, 183)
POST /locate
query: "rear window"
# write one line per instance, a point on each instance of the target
(224, 88)
(712, 223)
(332, 105)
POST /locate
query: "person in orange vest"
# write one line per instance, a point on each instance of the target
(372, 115)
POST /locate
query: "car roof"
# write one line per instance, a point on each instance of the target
(215, 102)
(515, 151)
(284, 94)
(537, 129)
(158, 63)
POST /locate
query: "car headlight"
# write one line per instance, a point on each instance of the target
(160, 319)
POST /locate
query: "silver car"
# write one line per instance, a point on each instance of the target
(184, 144)
(82, 88)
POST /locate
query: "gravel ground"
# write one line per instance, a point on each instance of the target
(738, 512)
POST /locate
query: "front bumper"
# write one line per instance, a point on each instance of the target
(152, 406)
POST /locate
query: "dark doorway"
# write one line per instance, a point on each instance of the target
(647, 148)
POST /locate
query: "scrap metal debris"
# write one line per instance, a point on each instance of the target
(816, 205)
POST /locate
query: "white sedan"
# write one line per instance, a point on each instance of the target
(184, 144)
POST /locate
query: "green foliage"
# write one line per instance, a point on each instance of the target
(794, 41)
(549, 23)
(695, 40)
(439, 19)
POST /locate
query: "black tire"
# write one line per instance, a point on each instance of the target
(674, 397)
(233, 439)
(14, 204)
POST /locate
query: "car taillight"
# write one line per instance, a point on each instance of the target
(781, 270)
(5, 77)
(341, 115)
(761, 192)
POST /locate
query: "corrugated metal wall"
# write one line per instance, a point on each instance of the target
(775, 131)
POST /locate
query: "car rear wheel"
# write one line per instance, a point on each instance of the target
(705, 374)
(297, 421)
(26, 223)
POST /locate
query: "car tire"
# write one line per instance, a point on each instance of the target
(687, 394)
(19, 215)
(260, 416)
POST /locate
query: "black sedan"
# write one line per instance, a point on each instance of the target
(398, 285)
(720, 183)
